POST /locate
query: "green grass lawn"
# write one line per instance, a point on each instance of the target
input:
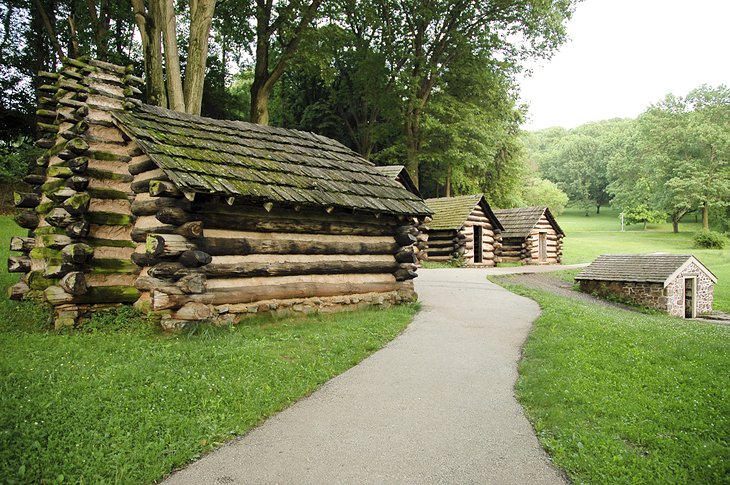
(119, 402)
(589, 237)
(625, 397)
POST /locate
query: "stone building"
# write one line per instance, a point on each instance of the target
(675, 283)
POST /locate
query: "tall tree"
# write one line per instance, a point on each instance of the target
(289, 21)
(158, 26)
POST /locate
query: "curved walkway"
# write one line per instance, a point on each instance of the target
(436, 405)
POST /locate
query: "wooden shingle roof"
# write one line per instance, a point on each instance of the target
(263, 163)
(399, 173)
(640, 268)
(520, 221)
(450, 213)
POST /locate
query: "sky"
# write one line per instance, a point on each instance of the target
(624, 55)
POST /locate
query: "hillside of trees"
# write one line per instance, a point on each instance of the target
(672, 160)
(430, 85)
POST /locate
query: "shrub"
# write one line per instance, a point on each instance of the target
(710, 240)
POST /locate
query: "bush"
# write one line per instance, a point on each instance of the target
(710, 240)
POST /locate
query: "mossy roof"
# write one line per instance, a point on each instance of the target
(263, 163)
(450, 213)
(399, 173)
(640, 268)
(520, 221)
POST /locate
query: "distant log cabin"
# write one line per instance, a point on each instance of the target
(531, 236)
(192, 218)
(463, 228)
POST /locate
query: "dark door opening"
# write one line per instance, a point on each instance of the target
(689, 297)
(478, 244)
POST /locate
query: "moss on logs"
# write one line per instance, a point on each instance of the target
(18, 290)
(109, 266)
(78, 253)
(162, 188)
(99, 294)
(27, 219)
(26, 200)
(109, 218)
(34, 179)
(51, 185)
(150, 206)
(53, 241)
(104, 193)
(79, 146)
(108, 175)
(77, 204)
(60, 217)
(37, 281)
(59, 171)
(78, 229)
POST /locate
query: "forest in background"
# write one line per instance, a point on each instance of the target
(426, 84)
(670, 161)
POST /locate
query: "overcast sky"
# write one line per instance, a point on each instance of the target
(626, 54)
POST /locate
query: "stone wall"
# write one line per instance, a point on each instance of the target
(654, 295)
(704, 291)
(651, 295)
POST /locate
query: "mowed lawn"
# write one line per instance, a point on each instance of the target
(624, 397)
(118, 402)
(590, 236)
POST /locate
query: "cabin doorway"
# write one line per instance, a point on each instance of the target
(690, 297)
(542, 247)
(478, 252)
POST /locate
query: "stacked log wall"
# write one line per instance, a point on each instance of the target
(78, 213)
(554, 243)
(244, 259)
(490, 239)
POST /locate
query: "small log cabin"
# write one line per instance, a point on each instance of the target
(531, 236)
(199, 219)
(463, 228)
(677, 284)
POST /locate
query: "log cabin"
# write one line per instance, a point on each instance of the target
(192, 218)
(678, 284)
(531, 236)
(463, 228)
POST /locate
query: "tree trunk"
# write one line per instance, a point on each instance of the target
(176, 99)
(150, 32)
(705, 217)
(598, 208)
(201, 17)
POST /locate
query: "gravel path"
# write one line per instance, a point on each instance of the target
(436, 405)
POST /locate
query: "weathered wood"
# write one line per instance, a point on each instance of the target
(74, 283)
(78, 229)
(162, 188)
(192, 284)
(59, 217)
(78, 253)
(406, 256)
(19, 243)
(149, 206)
(18, 264)
(56, 295)
(167, 245)
(54, 241)
(143, 164)
(193, 311)
(34, 179)
(247, 245)
(27, 219)
(190, 230)
(77, 204)
(194, 258)
(405, 239)
(256, 269)
(142, 181)
(26, 200)
(18, 290)
(176, 216)
(78, 183)
(404, 274)
(162, 301)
